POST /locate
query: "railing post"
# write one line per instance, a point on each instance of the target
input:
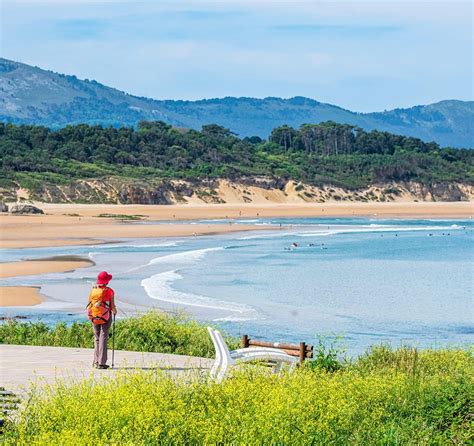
(245, 341)
(302, 352)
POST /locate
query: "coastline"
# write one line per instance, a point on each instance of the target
(80, 224)
(84, 227)
(42, 231)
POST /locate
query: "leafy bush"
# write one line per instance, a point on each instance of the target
(150, 332)
(327, 356)
(370, 403)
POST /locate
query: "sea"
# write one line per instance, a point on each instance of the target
(349, 282)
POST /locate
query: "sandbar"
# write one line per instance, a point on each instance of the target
(59, 264)
(19, 296)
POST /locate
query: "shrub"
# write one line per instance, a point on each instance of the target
(327, 356)
(151, 332)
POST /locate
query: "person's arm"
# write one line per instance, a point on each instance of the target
(112, 305)
(113, 308)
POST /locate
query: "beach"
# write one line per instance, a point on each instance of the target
(77, 224)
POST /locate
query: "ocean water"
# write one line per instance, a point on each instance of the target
(362, 281)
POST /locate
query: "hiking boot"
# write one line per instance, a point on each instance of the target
(103, 366)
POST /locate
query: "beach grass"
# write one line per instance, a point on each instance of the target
(123, 216)
(386, 397)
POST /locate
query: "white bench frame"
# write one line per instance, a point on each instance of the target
(226, 358)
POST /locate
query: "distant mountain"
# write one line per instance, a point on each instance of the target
(30, 95)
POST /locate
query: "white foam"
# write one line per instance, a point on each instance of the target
(185, 257)
(317, 234)
(177, 258)
(93, 255)
(374, 229)
(159, 287)
(233, 319)
(314, 231)
(275, 234)
(154, 245)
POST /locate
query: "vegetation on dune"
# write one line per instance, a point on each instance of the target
(150, 332)
(137, 217)
(385, 397)
(319, 154)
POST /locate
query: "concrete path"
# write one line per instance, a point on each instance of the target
(20, 365)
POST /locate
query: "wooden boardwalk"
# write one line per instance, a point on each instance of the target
(21, 365)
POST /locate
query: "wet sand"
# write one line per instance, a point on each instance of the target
(13, 296)
(59, 264)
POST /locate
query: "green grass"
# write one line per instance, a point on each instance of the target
(150, 332)
(400, 397)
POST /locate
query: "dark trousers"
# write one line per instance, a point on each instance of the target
(101, 334)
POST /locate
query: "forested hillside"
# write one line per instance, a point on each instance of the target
(317, 155)
(30, 95)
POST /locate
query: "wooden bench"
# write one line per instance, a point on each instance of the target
(301, 351)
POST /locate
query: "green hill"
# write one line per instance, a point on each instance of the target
(30, 95)
(140, 165)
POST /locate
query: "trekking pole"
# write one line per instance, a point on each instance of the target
(113, 342)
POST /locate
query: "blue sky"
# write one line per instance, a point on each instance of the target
(365, 56)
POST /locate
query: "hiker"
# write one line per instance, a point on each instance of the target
(100, 308)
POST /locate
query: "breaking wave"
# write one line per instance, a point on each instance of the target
(159, 287)
(185, 257)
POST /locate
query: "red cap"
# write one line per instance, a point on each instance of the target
(103, 278)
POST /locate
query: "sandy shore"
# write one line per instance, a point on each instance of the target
(400, 209)
(16, 296)
(59, 228)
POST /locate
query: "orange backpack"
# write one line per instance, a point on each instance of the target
(98, 310)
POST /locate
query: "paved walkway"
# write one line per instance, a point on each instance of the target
(20, 365)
